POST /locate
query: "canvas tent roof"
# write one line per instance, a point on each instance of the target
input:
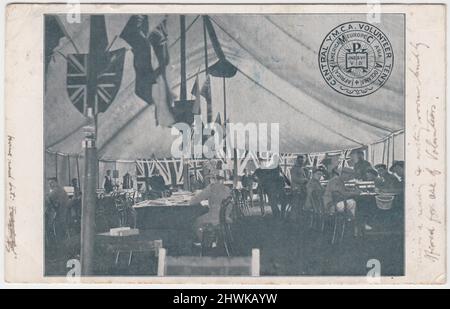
(278, 80)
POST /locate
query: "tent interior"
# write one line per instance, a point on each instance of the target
(277, 82)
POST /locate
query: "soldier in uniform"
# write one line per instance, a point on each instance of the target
(57, 202)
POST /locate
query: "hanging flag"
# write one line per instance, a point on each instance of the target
(135, 33)
(53, 33)
(158, 40)
(205, 92)
(196, 107)
(206, 89)
(218, 119)
(222, 68)
(94, 79)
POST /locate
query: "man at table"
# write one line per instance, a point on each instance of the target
(214, 193)
(299, 179)
(337, 197)
(366, 211)
(398, 167)
(107, 184)
(314, 192)
(157, 183)
(386, 182)
(247, 184)
(360, 166)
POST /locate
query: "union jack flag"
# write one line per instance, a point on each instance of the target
(94, 83)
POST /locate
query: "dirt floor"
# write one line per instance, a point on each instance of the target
(288, 248)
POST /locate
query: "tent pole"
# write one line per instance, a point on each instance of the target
(98, 174)
(224, 101)
(224, 115)
(183, 58)
(183, 94)
(225, 120)
(146, 175)
(89, 200)
(393, 148)
(68, 166)
(208, 102)
(56, 165)
(388, 150)
(78, 172)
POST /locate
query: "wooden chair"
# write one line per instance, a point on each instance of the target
(208, 266)
(225, 227)
(317, 213)
(124, 207)
(241, 202)
(220, 235)
(340, 221)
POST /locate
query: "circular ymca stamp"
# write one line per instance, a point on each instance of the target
(356, 58)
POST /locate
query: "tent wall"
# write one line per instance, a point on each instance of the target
(388, 150)
(64, 168)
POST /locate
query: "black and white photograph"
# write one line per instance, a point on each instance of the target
(225, 144)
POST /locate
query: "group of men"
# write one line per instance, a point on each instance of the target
(109, 184)
(309, 194)
(155, 185)
(61, 211)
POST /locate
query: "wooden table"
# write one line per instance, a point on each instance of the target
(173, 212)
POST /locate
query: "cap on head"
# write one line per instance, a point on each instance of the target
(400, 164)
(358, 152)
(383, 166)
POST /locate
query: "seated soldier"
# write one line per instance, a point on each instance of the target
(366, 211)
(299, 179)
(360, 165)
(386, 181)
(398, 167)
(214, 193)
(157, 184)
(371, 175)
(337, 196)
(314, 192)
